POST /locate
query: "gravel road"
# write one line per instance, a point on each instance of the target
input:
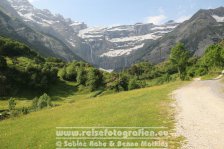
(200, 114)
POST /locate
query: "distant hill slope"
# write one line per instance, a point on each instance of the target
(204, 28)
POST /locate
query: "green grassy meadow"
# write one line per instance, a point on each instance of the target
(146, 107)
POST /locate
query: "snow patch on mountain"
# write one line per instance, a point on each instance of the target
(135, 38)
(75, 23)
(218, 18)
(121, 52)
(71, 43)
(121, 28)
(163, 27)
(92, 32)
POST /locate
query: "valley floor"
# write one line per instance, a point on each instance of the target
(201, 114)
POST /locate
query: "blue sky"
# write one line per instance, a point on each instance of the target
(116, 12)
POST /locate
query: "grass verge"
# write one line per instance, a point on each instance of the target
(146, 107)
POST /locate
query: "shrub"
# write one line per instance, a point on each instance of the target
(14, 113)
(71, 72)
(44, 101)
(62, 73)
(133, 84)
(94, 79)
(81, 76)
(4, 85)
(34, 103)
(12, 104)
(201, 71)
(213, 56)
(25, 110)
(163, 79)
(4, 115)
(3, 63)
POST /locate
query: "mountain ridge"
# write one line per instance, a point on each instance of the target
(201, 30)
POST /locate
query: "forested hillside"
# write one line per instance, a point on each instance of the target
(22, 69)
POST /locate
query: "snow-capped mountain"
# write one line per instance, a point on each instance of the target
(115, 47)
(44, 20)
(13, 26)
(105, 47)
(124, 40)
(42, 17)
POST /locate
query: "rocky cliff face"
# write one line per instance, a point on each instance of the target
(202, 29)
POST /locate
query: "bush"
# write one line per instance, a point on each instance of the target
(34, 103)
(201, 71)
(14, 113)
(25, 110)
(4, 85)
(163, 79)
(4, 115)
(62, 73)
(81, 76)
(12, 104)
(94, 79)
(43, 101)
(118, 82)
(3, 63)
(133, 84)
(214, 56)
(71, 72)
(191, 71)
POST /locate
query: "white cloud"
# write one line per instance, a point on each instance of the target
(182, 19)
(155, 19)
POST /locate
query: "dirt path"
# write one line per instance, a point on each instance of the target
(200, 114)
